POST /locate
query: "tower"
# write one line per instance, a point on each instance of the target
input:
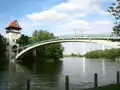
(13, 32)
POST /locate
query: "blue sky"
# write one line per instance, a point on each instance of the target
(57, 16)
(17, 9)
(32, 14)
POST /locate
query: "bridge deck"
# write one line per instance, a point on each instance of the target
(99, 40)
(72, 38)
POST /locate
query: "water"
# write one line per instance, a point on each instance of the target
(50, 76)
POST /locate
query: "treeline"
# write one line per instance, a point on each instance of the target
(2, 46)
(37, 36)
(73, 55)
(107, 54)
(54, 51)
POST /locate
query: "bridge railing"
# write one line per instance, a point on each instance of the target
(72, 38)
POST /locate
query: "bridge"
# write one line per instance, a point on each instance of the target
(105, 40)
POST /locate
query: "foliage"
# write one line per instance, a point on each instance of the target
(41, 35)
(2, 46)
(73, 55)
(49, 51)
(115, 11)
(108, 54)
(23, 40)
(54, 51)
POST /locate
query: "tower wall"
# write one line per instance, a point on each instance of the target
(11, 39)
(12, 34)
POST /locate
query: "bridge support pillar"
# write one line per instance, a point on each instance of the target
(22, 49)
(34, 53)
(103, 47)
(17, 52)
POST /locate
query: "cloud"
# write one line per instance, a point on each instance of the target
(63, 10)
(84, 27)
(47, 15)
(72, 5)
(82, 6)
(102, 26)
(65, 17)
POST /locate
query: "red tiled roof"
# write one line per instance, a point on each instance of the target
(14, 24)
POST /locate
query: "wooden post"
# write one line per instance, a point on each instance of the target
(66, 82)
(118, 77)
(28, 84)
(95, 80)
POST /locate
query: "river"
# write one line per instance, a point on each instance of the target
(50, 76)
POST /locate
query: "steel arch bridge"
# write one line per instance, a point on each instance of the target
(87, 39)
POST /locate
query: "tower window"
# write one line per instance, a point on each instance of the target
(14, 47)
(7, 44)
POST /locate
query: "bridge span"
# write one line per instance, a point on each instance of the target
(98, 40)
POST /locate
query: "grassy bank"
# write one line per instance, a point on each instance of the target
(73, 55)
(106, 54)
(108, 87)
(110, 54)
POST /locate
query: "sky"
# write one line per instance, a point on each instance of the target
(62, 17)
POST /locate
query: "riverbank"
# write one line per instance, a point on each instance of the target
(112, 54)
(73, 55)
(108, 87)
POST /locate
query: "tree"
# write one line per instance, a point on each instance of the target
(54, 51)
(23, 40)
(41, 35)
(115, 11)
(108, 54)
(2, 46)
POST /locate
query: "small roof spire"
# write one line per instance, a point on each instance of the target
(14, 25)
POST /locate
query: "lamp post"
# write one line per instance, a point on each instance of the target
(78, 31)
(75, 30)
(81, 31)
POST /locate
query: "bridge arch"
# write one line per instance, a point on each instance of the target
(105, 42)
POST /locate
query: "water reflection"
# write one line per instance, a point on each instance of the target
(12, 77)
(3, 68)
(45, 67)
(103, 67)
(84, 64)
(48, 75)
(45, 74)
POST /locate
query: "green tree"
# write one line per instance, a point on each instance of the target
(114, 9)
(41, 35)
(2, 46)
(54, 51)
(108, 54)
(23, 40)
